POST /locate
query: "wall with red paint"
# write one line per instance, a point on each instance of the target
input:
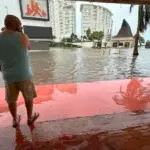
(13, 7)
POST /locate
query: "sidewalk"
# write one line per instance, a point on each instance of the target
(107, 115)
(122, 131)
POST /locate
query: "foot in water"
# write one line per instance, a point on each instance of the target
(33, 118)
(16, 122)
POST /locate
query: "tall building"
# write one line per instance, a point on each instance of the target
(54, 17)
(97, 18)
(62, 18)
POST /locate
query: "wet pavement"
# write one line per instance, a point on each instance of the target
(77, 110)
(105, 115)
(123, 131)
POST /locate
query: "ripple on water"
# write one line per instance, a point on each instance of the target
(87, 65)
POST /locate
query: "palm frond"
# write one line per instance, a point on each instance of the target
(141, 20)
(143, 17)
(131, 6)
(147, 14)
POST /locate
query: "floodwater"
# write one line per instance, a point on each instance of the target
(103, 106)
(57, 65)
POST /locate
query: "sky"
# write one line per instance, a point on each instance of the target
(120, 12)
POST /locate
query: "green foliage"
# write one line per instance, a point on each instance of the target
(83, 38)
(141, 40)
(105, 44)
(88, 33)
(143, 16)
(94, 35)
(143, 22)
(73, 37)
(97, 35)
(67, 40)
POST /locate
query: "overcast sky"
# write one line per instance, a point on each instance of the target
(120, 12)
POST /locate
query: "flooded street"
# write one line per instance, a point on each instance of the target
(87, 65)
(84, 115)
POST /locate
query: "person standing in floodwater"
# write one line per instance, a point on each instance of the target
(16, 69)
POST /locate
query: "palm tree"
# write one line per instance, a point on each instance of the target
(141, 40)
(143, 22)
(88, 33)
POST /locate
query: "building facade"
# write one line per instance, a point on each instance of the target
(13, 8)
(34, 15)
(63, 18)
(97, 18)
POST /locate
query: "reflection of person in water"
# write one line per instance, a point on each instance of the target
(136, 96)
(21, 140)
(69, 88)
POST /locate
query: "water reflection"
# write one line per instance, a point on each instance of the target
(22, 141)
(79, 65)
(136, 96)
(82, 141)
(131, 138)
(69, 88)
(59, 66)
(43, 65)
(44, 93)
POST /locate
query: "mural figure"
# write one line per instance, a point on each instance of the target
(33, 9)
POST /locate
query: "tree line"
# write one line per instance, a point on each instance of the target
(90, 36)
(95, 35)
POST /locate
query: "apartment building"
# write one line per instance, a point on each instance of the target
(97, 18)
(62, 18)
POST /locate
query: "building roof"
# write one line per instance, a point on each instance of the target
(125, 30)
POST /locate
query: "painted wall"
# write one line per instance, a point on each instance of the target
(14, 9)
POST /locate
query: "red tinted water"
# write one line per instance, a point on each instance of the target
(82, 99)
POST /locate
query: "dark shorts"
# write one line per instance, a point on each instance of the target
(27, 89)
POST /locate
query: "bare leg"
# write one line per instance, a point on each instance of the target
(13, 111)
(31, 116)
(29, 93)
(29, 107)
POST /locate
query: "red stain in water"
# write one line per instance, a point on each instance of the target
(83, 99)
(135, 97)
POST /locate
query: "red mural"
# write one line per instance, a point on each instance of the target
(33, 9)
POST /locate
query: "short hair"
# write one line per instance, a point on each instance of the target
(12, 22)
